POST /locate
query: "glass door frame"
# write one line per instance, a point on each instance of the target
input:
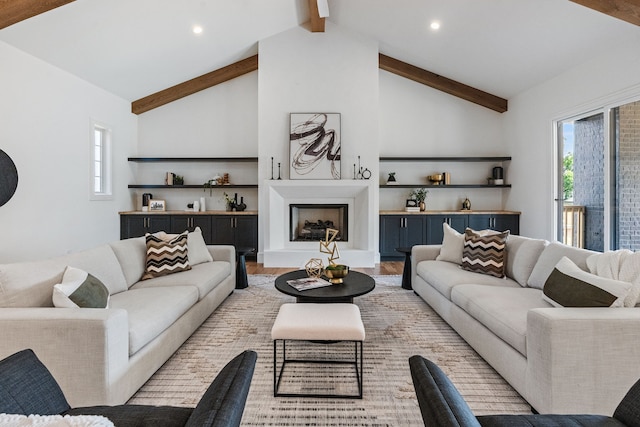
(610, 173)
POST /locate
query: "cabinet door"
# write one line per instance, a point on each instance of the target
(499, 222)
(180, 223)
(481, 222)
(138, 225)
(246, 231)
(509, 222)
(222, 231)
(435, 233)
(390, 231)
(414, 231)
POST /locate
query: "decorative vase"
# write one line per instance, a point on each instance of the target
(241, 206)
(423, 206)
(466, 205)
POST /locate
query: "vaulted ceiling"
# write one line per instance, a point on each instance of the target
(137, 48)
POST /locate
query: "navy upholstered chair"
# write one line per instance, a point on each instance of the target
(27, 387)
(442, 405)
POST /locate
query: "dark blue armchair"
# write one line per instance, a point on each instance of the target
(442, 405)
(27, 387)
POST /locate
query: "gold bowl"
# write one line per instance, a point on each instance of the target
(335, 273)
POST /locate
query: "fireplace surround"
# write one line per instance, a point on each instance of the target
(358, 197)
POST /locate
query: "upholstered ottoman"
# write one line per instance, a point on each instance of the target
(324, 323)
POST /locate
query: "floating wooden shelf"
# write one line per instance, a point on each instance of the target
(193, 159)
(446, 159)
(445, 186)
(200, 186)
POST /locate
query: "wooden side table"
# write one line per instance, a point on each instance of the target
(406, 271)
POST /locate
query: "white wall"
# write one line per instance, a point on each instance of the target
(416, 120)
(301, 72)
(529, 130)
(221, 121)
(45, 129)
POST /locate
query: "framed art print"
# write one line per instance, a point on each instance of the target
(314, 151)
(157, 205)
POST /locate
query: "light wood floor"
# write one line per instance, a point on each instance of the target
(385, 267)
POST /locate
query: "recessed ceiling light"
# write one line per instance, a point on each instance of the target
(435, 25)
(197, 29)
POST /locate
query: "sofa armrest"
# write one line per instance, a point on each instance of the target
(422, 253)
(85, 349)
(581, 360)
(223, 253)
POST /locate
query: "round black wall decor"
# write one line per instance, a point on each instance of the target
(8, 178)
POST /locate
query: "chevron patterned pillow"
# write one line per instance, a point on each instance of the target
(484, 254)
(166, 257)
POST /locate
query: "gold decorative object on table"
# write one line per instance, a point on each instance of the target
(335, 272)
(314, 267)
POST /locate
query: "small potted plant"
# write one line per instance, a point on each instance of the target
(420, 195)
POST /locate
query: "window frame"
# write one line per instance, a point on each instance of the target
(106, 172)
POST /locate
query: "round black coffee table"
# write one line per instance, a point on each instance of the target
(355, 284)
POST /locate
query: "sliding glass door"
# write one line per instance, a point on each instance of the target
(626, 174)
(598, 194)
(581, 181)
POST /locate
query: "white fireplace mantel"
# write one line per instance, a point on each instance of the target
(359, 251)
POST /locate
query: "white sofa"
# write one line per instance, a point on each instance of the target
(103, 356)
(561, 360)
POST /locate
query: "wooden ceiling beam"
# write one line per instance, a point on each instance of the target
(14, 11)
(195, 85)
(443, 84)
(317, 23)
(627, 10)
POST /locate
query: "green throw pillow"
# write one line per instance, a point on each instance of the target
(80, 289)
(570, 286)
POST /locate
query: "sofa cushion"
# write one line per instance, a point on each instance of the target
(484, 254)
(569, 286)
(501, 310)
(444, 276)
(80, 289)
(550, 256)
(132, 256)
(204, 276)
(452, 245)
(522, 255)
(166, 257)
(30, 284)
(152, 310)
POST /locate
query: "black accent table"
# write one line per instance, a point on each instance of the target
(406, 271)
(241, 267)
(355, 284)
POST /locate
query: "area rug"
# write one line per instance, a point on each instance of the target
(398, 325)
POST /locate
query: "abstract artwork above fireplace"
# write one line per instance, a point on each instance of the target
(314, 140)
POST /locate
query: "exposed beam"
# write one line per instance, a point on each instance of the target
(195, 85)
(13, 11)
(444, 84)
(627, 10)
(317, 23)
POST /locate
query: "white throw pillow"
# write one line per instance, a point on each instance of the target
(570, 286)
(198, 252)
(80, 289)
(452, 245)
(16, 420)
